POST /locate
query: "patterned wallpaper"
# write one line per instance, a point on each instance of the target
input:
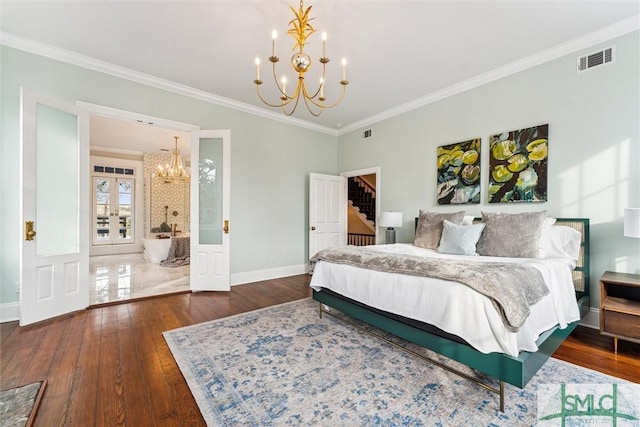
(175, 195)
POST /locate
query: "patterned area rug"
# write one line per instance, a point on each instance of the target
(283, 365)
(18, 406)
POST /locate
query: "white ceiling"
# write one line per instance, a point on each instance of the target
(397, 51)
(131, 137)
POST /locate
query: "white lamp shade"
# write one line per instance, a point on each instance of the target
(391, 219)
(632, 222)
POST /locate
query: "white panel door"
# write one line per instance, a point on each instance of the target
(210, 222)
(327, 212)
(54, 261)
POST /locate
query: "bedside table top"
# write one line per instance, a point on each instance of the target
(621, 278)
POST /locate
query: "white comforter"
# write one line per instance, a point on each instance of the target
(452, 306)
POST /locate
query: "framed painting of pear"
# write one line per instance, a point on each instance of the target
(518, 165)
(459, 173)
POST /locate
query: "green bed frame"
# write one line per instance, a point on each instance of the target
(513, 370)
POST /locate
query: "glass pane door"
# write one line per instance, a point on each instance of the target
(210, 186)
(210, 225)
(113, 210)
(125, 209)
(102, 210)
(57, 212)
(54, 170)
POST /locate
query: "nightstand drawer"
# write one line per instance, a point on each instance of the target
(623, 324)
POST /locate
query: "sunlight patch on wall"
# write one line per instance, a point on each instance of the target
(623, 167)
(626, 264)
(569, 191)
(598, 188)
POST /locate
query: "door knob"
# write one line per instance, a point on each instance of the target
(226, 226)
(313, 228)
(29, 232)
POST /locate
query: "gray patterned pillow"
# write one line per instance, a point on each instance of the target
(511, 235)
(429, 228)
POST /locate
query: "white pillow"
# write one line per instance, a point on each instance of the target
(468, 220)
(564, 242)
(459, 239)
(543, 244)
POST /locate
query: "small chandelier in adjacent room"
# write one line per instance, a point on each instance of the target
(300, 30)
(175, 170)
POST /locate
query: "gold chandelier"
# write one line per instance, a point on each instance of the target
(300, 30)
(175, 170)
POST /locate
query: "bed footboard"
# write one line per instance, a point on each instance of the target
(513, 370)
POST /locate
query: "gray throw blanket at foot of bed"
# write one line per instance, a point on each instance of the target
(512, 287)
(179, 252)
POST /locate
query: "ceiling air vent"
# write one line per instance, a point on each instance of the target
(596, 59)
(366, 134)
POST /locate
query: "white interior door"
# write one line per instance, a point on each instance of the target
(210, 222)
(54, 262)
(327, 212)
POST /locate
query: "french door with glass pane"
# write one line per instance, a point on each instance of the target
(54, 261)
(113, 210)
(210, 209)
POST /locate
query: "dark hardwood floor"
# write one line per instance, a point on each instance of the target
(110, 365)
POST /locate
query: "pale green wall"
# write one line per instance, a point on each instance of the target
(594, 140)
(270, 161)
(593, 169)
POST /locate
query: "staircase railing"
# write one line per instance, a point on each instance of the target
(363, 196)
(356, 239)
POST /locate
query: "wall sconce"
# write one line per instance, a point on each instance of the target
(390, 220)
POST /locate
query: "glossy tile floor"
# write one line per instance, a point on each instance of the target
(129, 276)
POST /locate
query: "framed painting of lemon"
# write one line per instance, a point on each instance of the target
(518, 165)
(459, 173)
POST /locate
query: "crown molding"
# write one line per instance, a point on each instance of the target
(103, 149)
(618, 29)
(67, 56)
(131, 116)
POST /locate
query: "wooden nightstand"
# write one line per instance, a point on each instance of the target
(620, 307)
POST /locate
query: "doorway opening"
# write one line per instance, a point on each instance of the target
(363, 206)
(136, 216)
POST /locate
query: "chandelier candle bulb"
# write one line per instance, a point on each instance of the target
(321, 89)
(284, 85)
(257, 69)
(344, 69)
(324, 45)
(274, 36)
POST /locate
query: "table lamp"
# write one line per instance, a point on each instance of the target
(390, 220)
(632, 222)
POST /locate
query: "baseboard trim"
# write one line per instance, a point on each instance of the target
(115, 249)
(9, 312)
(267, 274)
(591, 319)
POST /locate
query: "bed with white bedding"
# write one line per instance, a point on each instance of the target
(454, 307)
(468, 328)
